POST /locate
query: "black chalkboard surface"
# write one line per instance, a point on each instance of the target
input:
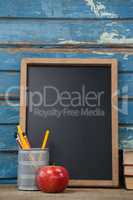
(74, 100)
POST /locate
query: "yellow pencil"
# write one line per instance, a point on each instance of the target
(44, 143)
(19, 143)
(27, 141)
(22, 139)
(45, 139)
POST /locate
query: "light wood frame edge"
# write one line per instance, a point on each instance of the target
(23, 85)
(115, 150)
(115, 159)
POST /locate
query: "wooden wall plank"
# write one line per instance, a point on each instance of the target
(126, 84)
(10, 58)
(7, 137)
(9, 83)
(9, 114)
(44, 32)
(8, 181)
(8, 165)
(69, 8)
(126, 137)
(125, 112)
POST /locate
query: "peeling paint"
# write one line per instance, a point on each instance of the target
(103, 53)
(125, 57)
(99, 9)
(108, 37)
(114, 37)
(43, 5)
(37, 12)
(127, 144)
(129, 128)
(127, 29)
(71, 42)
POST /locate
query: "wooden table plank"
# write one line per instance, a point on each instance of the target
(10, 192)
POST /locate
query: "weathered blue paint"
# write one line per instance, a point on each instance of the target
(126, 112)
(10, 57)
(44, 32)
(9, 83)
(69, 8)
(9, 114)
(8, 181)
(126, 84)
(126, 137)
(8, 165)
(7, 137)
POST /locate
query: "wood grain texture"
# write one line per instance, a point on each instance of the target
(93, 183)
(125, 112)
(9, 112)
(128, 170)
(126, 137)
(8, 181)
(128, 157)
(9, 83)
(126, 84)
(69, 8)
(8, 165)
(9, 192)
(7, 137)
(68, 32)
(10, 58)
(114, 105)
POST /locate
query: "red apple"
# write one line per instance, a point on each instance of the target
(52, 179)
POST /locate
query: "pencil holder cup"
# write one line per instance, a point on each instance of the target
(29, 161)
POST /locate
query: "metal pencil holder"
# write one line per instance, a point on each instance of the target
(29, 161)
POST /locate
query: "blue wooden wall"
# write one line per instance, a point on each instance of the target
(62, 29)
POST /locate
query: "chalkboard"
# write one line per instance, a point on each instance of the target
(75, 99)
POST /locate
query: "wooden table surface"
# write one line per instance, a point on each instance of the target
(11, 192)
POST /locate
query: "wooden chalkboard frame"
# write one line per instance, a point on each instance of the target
(86, 62)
